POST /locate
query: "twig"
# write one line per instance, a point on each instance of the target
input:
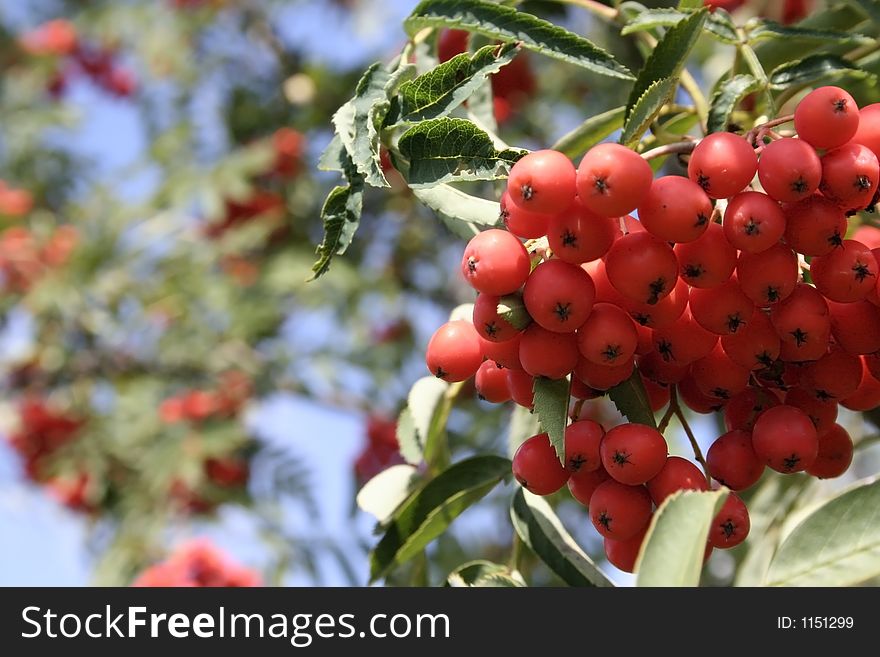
(680, 147)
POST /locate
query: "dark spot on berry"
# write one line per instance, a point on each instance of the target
(862, 271)
(764, 358)
(440, 373)
(823, 395)
(702, 220)
(569, 239)
(642, 318)
(656, 288)
(772, 294)
(601, 185)
(562, 311)
(790, 462)
(800, 337)
(480, 397)
(621, 458)
(692, 271)
(703, 181)
(721, 393)
(491, 329)
(734, 322)
(472, 265)
(862, 183)
(576, 462)
(527, 192)
(800, 186)
(728, 528)
(611, 352)
(752, 227)
(839, 105)
(523, 482)
(504, 214)
(605, 520)
(836, 239)
(664, 348)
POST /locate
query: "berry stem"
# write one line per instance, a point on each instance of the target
(756, 133)
(679, 147)
(594, 7)
(676, 409)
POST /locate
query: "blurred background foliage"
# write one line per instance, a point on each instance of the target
(154, 305)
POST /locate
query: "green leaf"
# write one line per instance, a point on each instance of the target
(757, 68)
(447, 149)
(484, 573)
(340, 215)
(382, 494)
(631, 399)
(427, 512)
(357, 122)
(727, 97)
(871, 8)
(334, 157)
(438, 92)
(646, 108)
(718, 24)
(766, 29)
(590, 132)
(512, 309)
(551, 407)
(837, 545)
(690, 4)
(417, 419)
(523, 425)
(455, 204)
(675, 545)
(540, 528)
(838, 16)
(508, 24)
(813, 69)
(667, 59)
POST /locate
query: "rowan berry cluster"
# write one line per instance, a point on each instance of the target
(197, 564)
(737, 289)
(59, 39)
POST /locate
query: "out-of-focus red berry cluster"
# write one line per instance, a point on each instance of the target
(59, 39)
(381, 450)
(41, 432)
(24, 260)
(195, 564)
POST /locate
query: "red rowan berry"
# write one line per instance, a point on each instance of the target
(753, 222)
(784, 438)
(847, 274)
(543, 181)
(577, 235)
(675, 209)
(642, 267)
(582, 439)
(559, 296)
(707, 261)
(835, 454)
(537, 468)
(789, 170)
(583, 483)
(633, 453)
(491, 383)
(769, 276)
(612, 180)
(827, 117)
(732, 460)
(723, 164)
(677, 474)
(608, 337)
(548, 354)
(731, 526)
(454, 352)
(618, 511)
(495, 262)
